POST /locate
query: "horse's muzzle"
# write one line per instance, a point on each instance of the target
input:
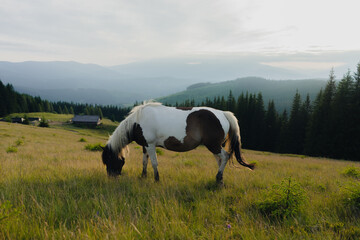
(113, 173)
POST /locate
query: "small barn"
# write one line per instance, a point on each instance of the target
(17, 120)
(34, 119)
(89, 120)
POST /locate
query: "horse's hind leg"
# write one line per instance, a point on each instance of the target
(152, 154)
(218, 159)
(220, 155)
(224, 157)
(145, 162)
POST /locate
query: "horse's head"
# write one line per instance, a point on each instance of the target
(112, 161)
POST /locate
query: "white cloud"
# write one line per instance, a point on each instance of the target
(304, 65)
(113, 32)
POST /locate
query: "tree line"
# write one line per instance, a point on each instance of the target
(326, 127)
(14, 102)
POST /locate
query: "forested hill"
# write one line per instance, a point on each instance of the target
(13, 102)
(282, 92)
(327, 126)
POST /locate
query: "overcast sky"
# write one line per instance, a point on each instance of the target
(111, 32)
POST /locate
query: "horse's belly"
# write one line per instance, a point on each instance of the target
(174, 144)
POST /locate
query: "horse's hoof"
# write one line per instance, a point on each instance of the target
(157, 178)
(143, 174)
(219, 177)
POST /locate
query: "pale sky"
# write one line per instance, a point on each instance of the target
(111, 32)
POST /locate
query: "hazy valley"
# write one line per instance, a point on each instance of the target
(153, 79)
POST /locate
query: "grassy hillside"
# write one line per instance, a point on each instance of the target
(62, 121)
(282, 92)
(52, 188)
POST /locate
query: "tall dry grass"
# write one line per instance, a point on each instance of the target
(52, 188)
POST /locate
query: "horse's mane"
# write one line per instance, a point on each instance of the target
(119, 140)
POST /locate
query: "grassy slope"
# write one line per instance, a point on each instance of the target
(59, 190)
(61, 121)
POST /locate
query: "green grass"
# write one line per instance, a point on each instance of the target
(62, 121)
(53, 188)
(11, 149)
(19, 142)
(159, 152)
(351, 172)
(284, 200)
(52, 117)
(94, 147)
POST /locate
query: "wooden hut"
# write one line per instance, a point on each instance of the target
(89, 120)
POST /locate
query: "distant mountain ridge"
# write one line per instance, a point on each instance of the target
(72, 81)
(127, 83)
(282, 92)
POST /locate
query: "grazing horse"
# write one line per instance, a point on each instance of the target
(153, 125)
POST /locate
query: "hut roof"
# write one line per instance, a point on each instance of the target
(86, 119)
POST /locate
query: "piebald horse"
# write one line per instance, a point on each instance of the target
(153, 125)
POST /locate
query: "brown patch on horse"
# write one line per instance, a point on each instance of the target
(202, 127)
(174, 144)
(137, 135)
(184, 108)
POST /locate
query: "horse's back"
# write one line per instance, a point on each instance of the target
(160, 122)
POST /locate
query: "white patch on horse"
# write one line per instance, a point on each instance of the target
(159, 123)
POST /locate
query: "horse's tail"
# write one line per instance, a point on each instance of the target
(233, 141)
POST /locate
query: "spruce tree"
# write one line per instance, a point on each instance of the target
(271, 127)
(240, 113)
(355, 116)
(47, 107)
(66, 110)
(11, 100)
(314, 127)
(3, 100)
(296, 127)
(60, 111)
(341, 120)
(327, 133)
(231, 104)
(259, 122)
(283, 135)
(99, 113)
(23, 103)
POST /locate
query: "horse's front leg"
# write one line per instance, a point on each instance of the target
(152, 154)
(145, 162)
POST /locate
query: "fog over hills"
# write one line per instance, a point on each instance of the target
(217, 68)
(86, 83)
(207, 69)
(124, 84)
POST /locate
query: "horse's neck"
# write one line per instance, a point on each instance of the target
(121, 136)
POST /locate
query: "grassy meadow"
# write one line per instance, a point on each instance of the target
(51, 187)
